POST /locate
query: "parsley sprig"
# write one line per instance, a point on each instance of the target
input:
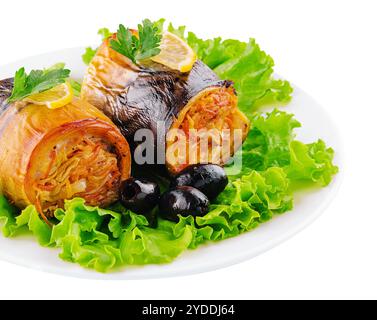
(141, 47)
(37, 81)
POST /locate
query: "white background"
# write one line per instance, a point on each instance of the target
(328, 48)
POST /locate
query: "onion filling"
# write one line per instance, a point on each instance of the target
(206, 131)
(85, 167)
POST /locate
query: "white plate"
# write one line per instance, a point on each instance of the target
(308, 205)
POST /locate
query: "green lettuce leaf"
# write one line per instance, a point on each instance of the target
(271, 143)
(267, 144)
(104, 33)
(311, 162)
(246, 202)
(97, 238)
(7, 217)
(85, 238)
(245, 63)
(125, 238)
(28, 220)
(89, 54)
(154, 246)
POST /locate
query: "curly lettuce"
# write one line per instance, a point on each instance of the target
(311, 162)
(91, 52)
(99, 239)
(105, 240)
(271, 143)
(245, 63)
(244, 205)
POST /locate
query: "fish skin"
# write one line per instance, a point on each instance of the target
(160, 96)
(157, 95)
(6, 87)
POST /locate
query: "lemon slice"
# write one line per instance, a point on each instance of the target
(175, 53)
(54, 98)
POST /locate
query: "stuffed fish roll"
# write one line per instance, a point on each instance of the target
(49, 155)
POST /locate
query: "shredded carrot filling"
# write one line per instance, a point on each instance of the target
(87, 168)
(210, 111)
(215, 110)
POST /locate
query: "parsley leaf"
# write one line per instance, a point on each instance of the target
(37, 81)
(141, 47)
(126, 43)
(150, 39)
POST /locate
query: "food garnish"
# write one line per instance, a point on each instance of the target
(183, 202)
(54, 98)
(208, 178)
(37, 81)
(175, 53)
(140, 195)
(141, 46)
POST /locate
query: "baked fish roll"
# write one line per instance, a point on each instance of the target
(151, 96)
(49, 155)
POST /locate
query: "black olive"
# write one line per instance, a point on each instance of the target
(139, 195)
(208, 178)
(184, 201)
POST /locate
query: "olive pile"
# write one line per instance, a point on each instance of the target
(184, 201)
(190, 193)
